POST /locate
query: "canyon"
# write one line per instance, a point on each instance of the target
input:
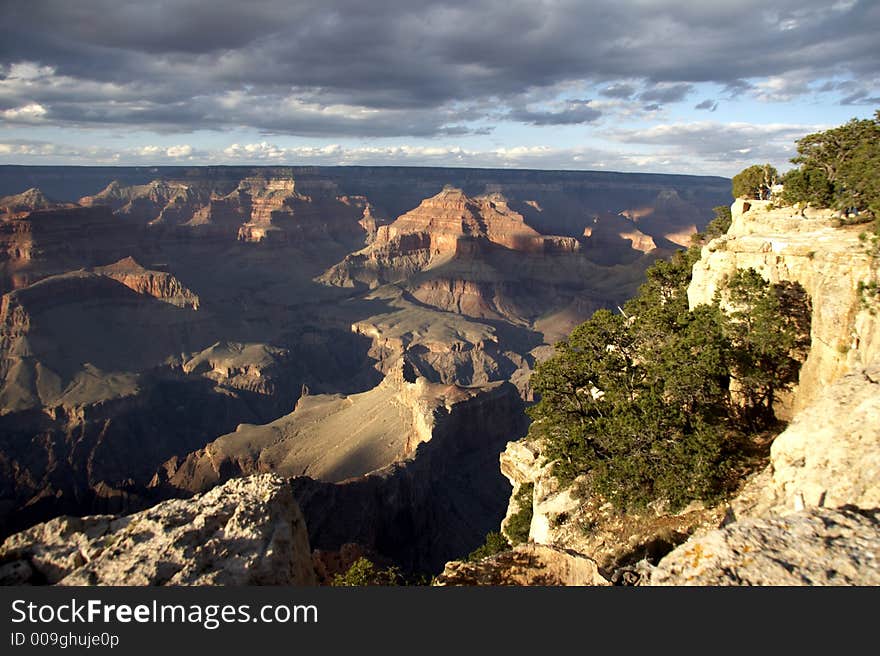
(367, 333)
(382, 413)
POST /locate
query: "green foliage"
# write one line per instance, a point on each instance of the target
(495, 544)
(517, 527)
(839, 168)
(869, 290)
(869, 295)
(755, 182)
(640, 402)
(720, 224)
(769, 331)
(363, 572)
(807, 184)
(716, 227)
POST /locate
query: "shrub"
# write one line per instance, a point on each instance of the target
(495, 544)
(720, 224)
(755, 182)
(807, 185)
(518, 525)
(769, 332)
(363, 572)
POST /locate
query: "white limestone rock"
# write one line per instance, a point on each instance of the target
(249, 531)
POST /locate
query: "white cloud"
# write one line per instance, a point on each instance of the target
(28, 70)
(254, 151)
(718, 147)
(184, 150)
(30, 113)
(781, 88)
(28, 149)
(701, 147)
(159, 152)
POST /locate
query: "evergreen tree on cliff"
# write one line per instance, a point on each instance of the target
(839, 168)
(640, 402)
(755, 182)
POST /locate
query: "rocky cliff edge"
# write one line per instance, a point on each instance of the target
(831, 262)
(811, 516)
(249, 531)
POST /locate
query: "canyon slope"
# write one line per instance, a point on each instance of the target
(367, 331)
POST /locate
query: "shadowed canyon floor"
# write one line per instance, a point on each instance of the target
(368, 331)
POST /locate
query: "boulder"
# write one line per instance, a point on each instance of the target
(526, 564)
(816, 546)
(249, 531)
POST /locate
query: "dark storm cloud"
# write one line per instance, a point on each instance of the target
(574, 113)
(854, 93)
(619, 90)
(666, 93)
(404, 67)
(860, 97)
(708, 104)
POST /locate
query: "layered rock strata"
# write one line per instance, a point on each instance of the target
(404, 470)
(160, 285)
(43, 242)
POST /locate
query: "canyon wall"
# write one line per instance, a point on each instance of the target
(165, 329)
(830, 262)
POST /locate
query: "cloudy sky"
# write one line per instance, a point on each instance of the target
(686, 86)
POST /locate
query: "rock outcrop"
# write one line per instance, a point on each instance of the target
(667, 217)
(252, 367)
(477, 256)
(159, 202)
(436, 504)
(443, 347)
(564, 517)
(249, 531)
(444, 226)
(28, 201)
(160, 285)
(818, 546)
(615, 238)
(258, 209)
(528, 564)
(828, 261)
(330, 437)
(829, 455)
